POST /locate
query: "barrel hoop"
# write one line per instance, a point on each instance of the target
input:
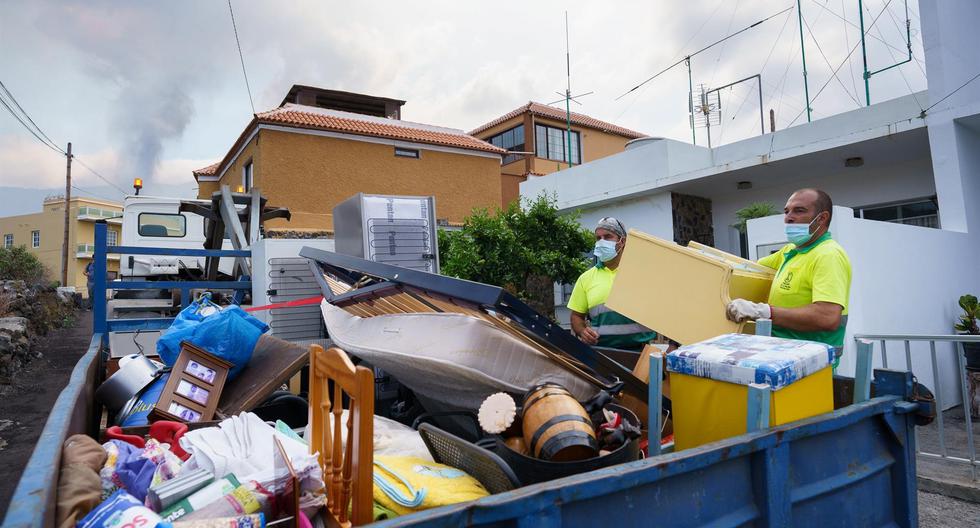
(562, 440)
(542, 386)
(543, 396)
(555, 419)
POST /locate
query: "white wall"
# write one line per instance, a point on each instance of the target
(848, 188)
(651, 214)
(906, 280)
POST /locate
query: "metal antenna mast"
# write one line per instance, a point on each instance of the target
(568, 98)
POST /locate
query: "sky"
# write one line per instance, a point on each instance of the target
(156, 89)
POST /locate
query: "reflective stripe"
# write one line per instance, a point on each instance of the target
(621, 329)
(597, 310)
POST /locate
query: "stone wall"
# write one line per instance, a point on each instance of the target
(692, 219)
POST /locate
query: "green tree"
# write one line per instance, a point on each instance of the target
(523, 249)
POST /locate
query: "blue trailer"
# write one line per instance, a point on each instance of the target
(854, 466)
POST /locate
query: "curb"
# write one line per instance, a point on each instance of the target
(950, 489)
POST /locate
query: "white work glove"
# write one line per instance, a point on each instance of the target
(741, 310)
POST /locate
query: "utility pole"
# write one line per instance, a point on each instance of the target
(64, 244)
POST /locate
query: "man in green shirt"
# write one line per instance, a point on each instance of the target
(592, 322)
(808, 296)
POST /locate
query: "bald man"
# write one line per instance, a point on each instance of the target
(808, 298)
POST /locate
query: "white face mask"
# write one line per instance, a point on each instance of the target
(605, 250)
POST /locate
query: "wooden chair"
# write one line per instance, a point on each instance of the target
(347, 469)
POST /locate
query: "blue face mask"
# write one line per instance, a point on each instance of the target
(605, 250)
(799, 234)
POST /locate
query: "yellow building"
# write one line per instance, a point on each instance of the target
(543, 130)
(43, 234)
(322, 146)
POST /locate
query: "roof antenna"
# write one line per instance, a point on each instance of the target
(568, 98)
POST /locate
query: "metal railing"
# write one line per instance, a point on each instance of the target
(102, 325)
(957, 342)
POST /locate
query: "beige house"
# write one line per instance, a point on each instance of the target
(43, 234)
(321, 146)
(542, 131)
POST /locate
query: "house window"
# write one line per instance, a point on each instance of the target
(407, 152)
(111, 237)
(246, 177)
(8, 240)
(922, 213)
(35, 239)
(512, 140)
(162, 225)
(550, 144)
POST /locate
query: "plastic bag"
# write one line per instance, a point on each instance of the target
(228, 333)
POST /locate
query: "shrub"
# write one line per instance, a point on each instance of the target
(17, 263)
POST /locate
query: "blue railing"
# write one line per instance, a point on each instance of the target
(103, 325)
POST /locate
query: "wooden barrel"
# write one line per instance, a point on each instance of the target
(556, 427)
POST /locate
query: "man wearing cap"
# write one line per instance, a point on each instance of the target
(592, 322)
(808, 296)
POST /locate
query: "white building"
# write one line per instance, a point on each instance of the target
(887, 162)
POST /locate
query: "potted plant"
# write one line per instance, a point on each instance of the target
(968, 326)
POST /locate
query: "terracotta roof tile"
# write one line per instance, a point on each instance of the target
(543, 110)
(334, 120)
(210, 170)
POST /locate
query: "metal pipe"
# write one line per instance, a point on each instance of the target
(908, 44)
(884, 355)
(908, 356)
(939, 397)
(806, 87)
(864, 55)
(762, 121)
(961, 361)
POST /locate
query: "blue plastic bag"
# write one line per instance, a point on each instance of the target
(228, 333)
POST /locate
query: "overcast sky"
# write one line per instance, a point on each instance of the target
(155, 89)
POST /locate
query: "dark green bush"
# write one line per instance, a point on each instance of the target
(17, 263)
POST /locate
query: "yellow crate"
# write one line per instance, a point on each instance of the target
(707, 410)
(681, 292)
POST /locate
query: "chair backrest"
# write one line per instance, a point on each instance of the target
(347, 469)
(481, 464)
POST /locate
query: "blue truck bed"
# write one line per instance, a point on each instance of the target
(852, 467)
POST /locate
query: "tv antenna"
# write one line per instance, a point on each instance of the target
(568, 98)
(706, 106)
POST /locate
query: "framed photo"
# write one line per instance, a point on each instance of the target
(194, 387)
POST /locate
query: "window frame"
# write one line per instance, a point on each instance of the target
(859, 212)
(112, 237)
(36, 238)
(406, 152)
(139, 224)
(8, 240)
(546, 149)
(248, 178)
(516, 147)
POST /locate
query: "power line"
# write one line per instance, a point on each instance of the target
(900, 72)
(722, 52)
(28, 116)
(27, 127)
(829, 65)
(743, 30)
(950, 94)
(856, 46)
(101, 177)
(681, 53)
(241, 56)
(97, 195)
(847, 44)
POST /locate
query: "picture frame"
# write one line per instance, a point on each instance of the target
(194, 387)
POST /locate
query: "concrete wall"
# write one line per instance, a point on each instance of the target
(310, 174)
(906, 280)
(848, 188)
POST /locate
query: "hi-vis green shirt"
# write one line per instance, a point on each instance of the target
(820, 272)
(615, 330)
